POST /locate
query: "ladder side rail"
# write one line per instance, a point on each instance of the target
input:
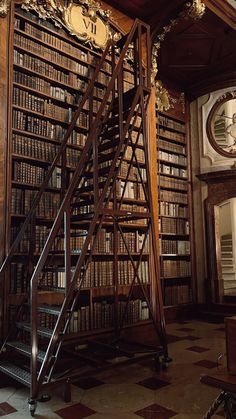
(132, 156)
(136, 273)
(80, 261)
(158, 309)
(54, 163)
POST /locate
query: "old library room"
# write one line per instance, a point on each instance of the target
(118, 209)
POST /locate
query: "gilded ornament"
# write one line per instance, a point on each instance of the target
(92, 28)
(4, 6)
(195, 10)
(162, 97)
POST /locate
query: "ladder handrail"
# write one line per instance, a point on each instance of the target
(62, 148)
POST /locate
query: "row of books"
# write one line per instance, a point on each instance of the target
(46, 109)
(24, 146)
(173, 225)
(134, 172)
(175, 268)
(19, 281)
(52, 89)
(175, 247)
(166, 182)
(37, 104)
(177, 294)
(173, 158)
(174, 136)
(35, 175)
(60, 44)
(51, 55)
(167, 122)
(21, 202)
(173, 210)
(172, 170)
(101, 273)
(59, 40)
(172, 196)
(43, 127)
(103, 315)
(173, 147)
(131, 190)
(139, 153)
(43, 86)
(40, 67)
(98, 274)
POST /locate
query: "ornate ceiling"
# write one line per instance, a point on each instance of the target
(197, 56)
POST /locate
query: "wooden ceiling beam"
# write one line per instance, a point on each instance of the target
(224, 10)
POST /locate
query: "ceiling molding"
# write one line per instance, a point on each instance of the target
(224, 10)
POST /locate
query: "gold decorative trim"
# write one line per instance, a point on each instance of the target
(4, 6)
(195, 10)
(164, 101)
(60, 13)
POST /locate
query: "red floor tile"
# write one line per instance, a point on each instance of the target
(189, 337)
(185, 329)
(88, 382)
(197, 349)
(77, 411)
(6, 409)
(206, 364)
(153, 383)
(173, 338)
(155, 411)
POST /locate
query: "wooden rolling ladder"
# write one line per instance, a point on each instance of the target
(88, 204)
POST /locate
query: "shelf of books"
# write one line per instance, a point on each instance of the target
(50, 72)
(174, 209)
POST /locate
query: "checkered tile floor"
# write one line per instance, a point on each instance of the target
(137, 390)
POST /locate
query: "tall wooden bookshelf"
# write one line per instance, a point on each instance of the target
(47, 84)
(175, 208)
(85, 266)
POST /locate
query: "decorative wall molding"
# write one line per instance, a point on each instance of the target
(214, 159)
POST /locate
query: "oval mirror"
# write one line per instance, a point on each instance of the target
(221, 125)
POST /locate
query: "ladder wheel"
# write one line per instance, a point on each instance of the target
(164, 365)
(157, 364)
(32, 407)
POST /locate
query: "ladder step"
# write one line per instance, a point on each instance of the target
(127, 99)
(108, 144)
(42, 331)
(25, 349)
(80, 217)
(49, 309)
(16, 373)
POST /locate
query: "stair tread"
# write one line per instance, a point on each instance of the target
(43, 331)
(16, 372)
(51, 309)
(26, 349)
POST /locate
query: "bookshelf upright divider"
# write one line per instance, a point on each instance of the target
(175, 229)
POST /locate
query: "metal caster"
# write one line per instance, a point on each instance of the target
(157, 363)
(32, 406)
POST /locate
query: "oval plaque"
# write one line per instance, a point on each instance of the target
(87, 26)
